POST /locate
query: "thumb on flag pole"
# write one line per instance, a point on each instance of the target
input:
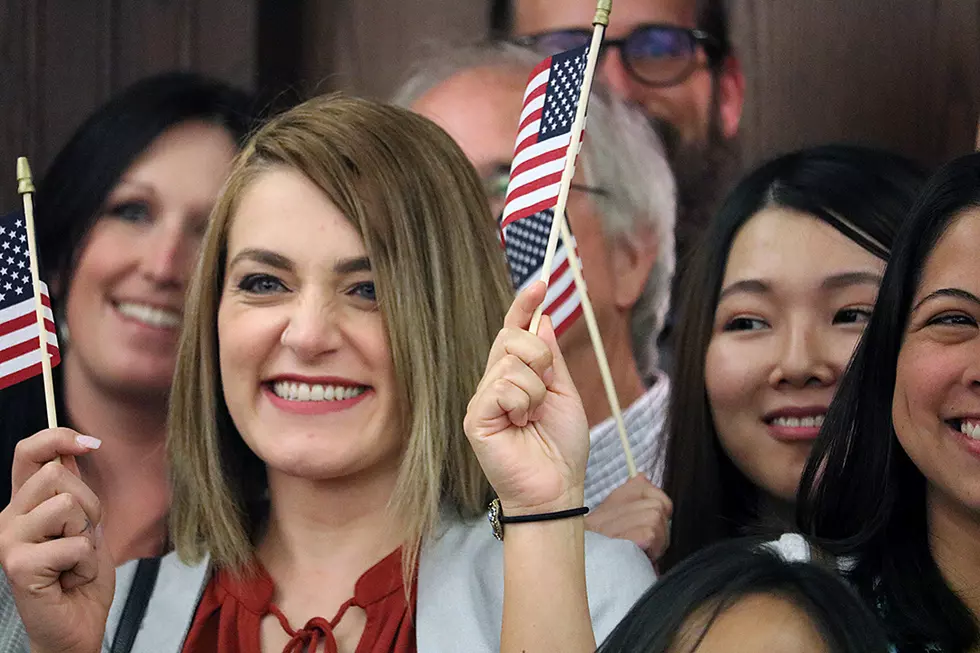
(25, 186)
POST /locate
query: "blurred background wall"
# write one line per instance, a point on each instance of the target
(903, 74)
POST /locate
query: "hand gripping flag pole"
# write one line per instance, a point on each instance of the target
(530, 196)
(25, 186)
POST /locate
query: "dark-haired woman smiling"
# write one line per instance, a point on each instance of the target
(774, 302)
(120, 217)
(894, 482)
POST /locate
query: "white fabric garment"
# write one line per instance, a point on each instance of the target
(645, 419)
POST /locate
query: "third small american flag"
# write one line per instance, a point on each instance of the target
(543, 138)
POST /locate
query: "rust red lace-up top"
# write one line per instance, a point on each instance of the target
(231, 610)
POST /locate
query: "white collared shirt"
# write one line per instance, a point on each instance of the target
(645, 420)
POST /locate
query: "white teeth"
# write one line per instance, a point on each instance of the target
(970, 429)
(815, 421)
(306, 392)
(151, 315)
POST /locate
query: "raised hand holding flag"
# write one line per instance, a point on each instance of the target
(549, 138)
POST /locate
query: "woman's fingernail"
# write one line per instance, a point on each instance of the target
(88, 441)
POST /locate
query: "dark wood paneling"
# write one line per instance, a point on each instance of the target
(903, 74)
(63, 58)
(16, 73)
(224, 40)
(75, 69)
(149, 37)
(366, 46)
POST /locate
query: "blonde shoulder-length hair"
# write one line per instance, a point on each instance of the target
(443, 290)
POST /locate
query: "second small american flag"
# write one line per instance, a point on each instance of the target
(540, 154)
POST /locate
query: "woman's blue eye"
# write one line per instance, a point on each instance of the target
(745, 324)
(260, 284)
(131, 211)
(852, 316)
(364, 290)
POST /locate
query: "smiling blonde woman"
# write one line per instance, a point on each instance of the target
(340, 318)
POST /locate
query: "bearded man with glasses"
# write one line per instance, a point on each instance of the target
(674, 59)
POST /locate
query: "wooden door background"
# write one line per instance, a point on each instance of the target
(903, 74)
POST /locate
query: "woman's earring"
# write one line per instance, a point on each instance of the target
(64, 335)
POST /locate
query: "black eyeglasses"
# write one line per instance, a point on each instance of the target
(495, 187)
(655, 54)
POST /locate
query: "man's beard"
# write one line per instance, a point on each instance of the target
(704, 171)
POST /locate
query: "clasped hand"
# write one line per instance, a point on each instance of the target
(51, 546)
(526, 422)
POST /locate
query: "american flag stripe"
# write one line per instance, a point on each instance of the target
(24, 367)
(537, 83)
(15, 318)
(26, 335)
(20, 355)
(550, 150)
(541, 191)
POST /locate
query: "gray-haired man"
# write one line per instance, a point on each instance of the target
(621, 210)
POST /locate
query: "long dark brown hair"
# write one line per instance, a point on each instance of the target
(861, 192)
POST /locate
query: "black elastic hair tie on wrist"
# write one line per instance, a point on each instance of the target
(545, 516)
(498, 519)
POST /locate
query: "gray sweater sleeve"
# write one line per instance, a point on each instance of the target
(13, 637)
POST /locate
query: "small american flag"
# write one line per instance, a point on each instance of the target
(543, 137)
(20, 356)
(525, 244)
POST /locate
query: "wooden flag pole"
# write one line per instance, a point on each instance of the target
(25, 186)
(574, 145)
(600, 349)
(559, 226)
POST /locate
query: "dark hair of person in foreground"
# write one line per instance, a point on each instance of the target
(677, 612)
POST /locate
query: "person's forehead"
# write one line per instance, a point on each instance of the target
(535, 16)
(479, 108)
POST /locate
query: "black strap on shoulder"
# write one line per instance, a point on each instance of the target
(140, 591)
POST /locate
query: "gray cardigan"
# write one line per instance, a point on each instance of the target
(460, 593)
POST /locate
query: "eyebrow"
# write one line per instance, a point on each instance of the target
(350, 265)
(275, 260)
(833, 282)
(751, 286)
(263, 256)
(848, 279)
(956, 293)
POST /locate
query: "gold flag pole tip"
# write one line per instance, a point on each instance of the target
(25, 184)
(602, 11)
